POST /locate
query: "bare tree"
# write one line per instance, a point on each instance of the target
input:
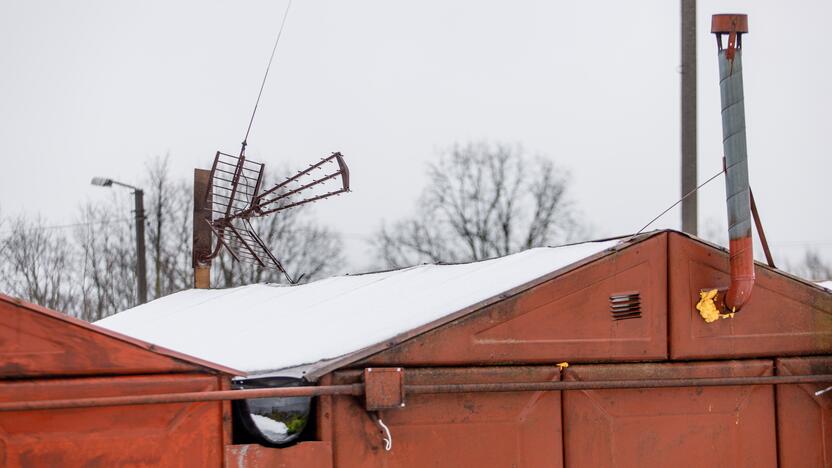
(812, 267)
(107, 261)
(482, 200)
(169, 230)
(3, 226)
(38, 264)
(108, 245)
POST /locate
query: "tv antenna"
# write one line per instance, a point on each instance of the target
(233, 195)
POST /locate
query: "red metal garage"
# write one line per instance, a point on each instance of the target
(460, 365)
(517, 333)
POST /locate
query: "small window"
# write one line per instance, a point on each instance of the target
(273, 421)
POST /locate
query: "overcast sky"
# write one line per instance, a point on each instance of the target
(100, 87)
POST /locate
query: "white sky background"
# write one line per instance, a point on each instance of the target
(99, 87)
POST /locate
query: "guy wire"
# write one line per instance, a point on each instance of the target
(679, 201)
(266, 75)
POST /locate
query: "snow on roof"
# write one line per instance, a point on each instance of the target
(826, 284)
(263, 328)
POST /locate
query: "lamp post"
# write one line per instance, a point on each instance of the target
(141, 269)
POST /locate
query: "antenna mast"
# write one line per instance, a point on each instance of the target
(228, 196)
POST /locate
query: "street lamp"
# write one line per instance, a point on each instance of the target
(138, 194)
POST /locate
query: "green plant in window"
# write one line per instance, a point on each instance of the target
(295, 424)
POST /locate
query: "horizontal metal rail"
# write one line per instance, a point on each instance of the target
(616, 384)
(358, 390)
(185, 397)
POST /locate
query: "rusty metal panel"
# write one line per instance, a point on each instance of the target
(302, 455)
(804, 420)
(383, 388)
(699, 426)
(568, 318)
(323, 413)
(35, 341)
(226, 413)
(520, 429)
(177, 435)
(783, 317)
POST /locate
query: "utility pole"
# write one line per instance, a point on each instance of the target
(688, 87)
(141, 267)
(202, 229)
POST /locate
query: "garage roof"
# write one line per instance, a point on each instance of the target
(269, 329)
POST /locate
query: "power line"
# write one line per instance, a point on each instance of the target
(67, 226)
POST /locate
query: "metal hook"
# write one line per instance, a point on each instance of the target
(821, 392)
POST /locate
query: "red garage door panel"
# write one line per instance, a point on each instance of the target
(302, 455)
(521, 429)
(702, 426)
(804, 420)
(184, 435)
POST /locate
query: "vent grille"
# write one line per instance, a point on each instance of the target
(625, 306)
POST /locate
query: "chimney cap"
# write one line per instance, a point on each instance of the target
(727, 23)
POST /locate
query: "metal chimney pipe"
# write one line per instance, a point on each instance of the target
(736, 157)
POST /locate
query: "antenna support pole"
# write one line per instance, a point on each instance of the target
(688, 116)
(202, 230)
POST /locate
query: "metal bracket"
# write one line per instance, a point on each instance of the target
(760, 230)
(383, 388)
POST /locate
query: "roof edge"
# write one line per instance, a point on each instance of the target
(55, 315)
